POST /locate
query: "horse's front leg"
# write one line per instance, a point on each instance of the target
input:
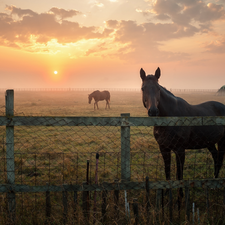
(166, 154)
(180, 158)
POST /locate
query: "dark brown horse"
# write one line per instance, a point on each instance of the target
(99, 96)
(160, 102)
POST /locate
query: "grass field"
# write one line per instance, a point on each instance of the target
(58, 155)
(47, 148)
(76, 103)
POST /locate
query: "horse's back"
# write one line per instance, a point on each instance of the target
(210, 108)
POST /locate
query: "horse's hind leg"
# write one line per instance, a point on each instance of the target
(180, 158)
(220, 155)
(107, 103)
(214, 152)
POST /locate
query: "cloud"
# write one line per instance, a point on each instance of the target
(143, 40)
(19, 12)
(41, 28)
(217, 46)
(188, 11)
(125, 39)
(63, 14)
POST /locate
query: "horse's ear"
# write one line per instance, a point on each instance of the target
(142, 74)
(157, 73)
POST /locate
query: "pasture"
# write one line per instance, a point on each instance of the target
(75, 103)
(58, 155)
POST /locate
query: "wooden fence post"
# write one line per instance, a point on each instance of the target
(125, 148)
(158, 204)
(85, 205)
(48, 205)
(187, 202)
(9, 104)
(104, 205)
(135, 209)
(147, 198)
(75, 204)
(116, 203)
(65, 204)
(171, 205)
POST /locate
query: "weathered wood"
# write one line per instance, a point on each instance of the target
(65, 205)
(210, 183)
(9, 102)
(87, 192)
(48, 206)
(135, 209)
(104, 205)
(207, 198)
(224, 196)
(158, 204)
(85, 204)
(125, 148)
(116, 203)
(75, 204)
(147, 199)
(187, 202)
(111, 121)
(171, 205)
(162, 204)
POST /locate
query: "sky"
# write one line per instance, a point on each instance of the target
(104, 43)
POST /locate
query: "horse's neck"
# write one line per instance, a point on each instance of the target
(167, 103)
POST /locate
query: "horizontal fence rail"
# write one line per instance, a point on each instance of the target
(105, 186)
(111, 121)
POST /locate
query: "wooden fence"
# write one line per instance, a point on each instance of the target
(125, 122)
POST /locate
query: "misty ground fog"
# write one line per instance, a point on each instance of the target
(75, 103)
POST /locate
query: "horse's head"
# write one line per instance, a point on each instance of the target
(150, 92)
(89, 99)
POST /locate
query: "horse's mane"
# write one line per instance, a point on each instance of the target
(168, 92)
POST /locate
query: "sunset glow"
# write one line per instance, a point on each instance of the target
(103, 44)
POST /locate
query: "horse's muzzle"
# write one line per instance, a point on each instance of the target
(153, 111)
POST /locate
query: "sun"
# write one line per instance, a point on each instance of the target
(55, 72)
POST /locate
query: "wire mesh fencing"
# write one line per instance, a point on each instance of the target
(51, 174)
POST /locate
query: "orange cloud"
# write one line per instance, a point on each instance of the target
(124, 39)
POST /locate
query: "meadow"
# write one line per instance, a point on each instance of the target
(58, 155)
(56, 144)
(75, 103)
